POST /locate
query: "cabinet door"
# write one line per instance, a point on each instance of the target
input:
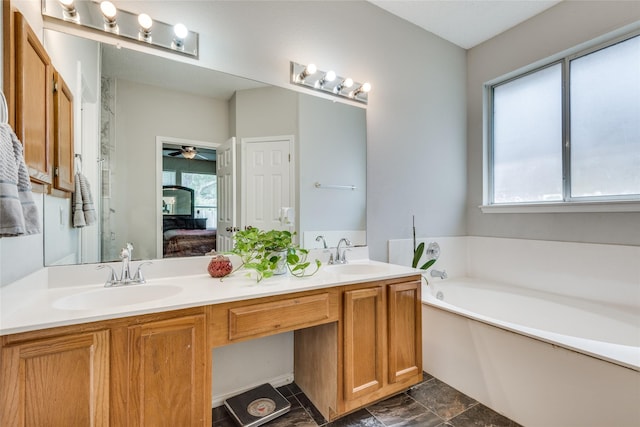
(405, 328)
(169, 373)
(63, 138)
(363, 341)
(61, 381)
(34, 105)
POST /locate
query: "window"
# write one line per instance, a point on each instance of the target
(570, 131)
(168, 177)
(205, 190)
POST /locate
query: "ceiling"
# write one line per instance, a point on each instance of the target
(159, 71)
(465, 23)
(170, 150)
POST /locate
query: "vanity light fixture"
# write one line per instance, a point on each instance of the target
(69, 9)
(345, 84)
(106, 17)
(330, 83)
(146, 23)
(308, 71)
(181, 32)
(109, 13)
(328, 77)
(365, 88)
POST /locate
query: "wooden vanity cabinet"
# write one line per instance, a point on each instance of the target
(40, 108)
(56, 381)
(378, 351)
(63, 169)
(33, 101)
(241, 320)
(150, 370)
(354, 345)
(364, 341)
(382, 351)
(161, 370)
(169, 380)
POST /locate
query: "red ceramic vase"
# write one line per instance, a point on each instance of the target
(219, 266)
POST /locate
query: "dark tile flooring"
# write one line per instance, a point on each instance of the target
(431, 403)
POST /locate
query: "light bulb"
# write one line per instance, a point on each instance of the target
(181, 31)
(308, 70)
(145, 22)
(311, 69)
(346, 83)
(108, 10)
(69, 8)
(67, 5)
(364, 88)
(329, 76)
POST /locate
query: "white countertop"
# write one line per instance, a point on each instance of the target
(31, 303)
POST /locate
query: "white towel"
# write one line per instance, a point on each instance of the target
(84, 213)
(18, 212)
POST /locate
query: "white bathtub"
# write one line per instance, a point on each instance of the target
(540, 359)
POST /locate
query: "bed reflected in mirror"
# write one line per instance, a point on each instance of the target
(184, 234)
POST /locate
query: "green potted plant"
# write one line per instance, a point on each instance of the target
(271, 252)
(418, 251)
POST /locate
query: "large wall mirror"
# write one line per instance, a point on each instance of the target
(134, 109)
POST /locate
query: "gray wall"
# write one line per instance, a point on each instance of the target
(269, 111)
(564, 26)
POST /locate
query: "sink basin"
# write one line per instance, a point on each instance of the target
(357, 269)
(114, 297)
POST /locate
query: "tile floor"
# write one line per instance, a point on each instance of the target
(431, 403)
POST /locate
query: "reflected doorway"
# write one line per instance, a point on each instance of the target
(188, 197)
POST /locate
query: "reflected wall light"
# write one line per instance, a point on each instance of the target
(69, 9)
(107, 18)
(109, 13)
(328, 83)
(309, 70)
(145, 23)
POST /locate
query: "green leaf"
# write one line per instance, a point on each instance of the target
(428, 264)
(301, 266)
(417, 254)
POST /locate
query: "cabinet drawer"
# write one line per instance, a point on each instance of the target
(278, 316)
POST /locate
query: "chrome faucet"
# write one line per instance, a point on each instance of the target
(125, 256)
(324, 242)
(125, 277)
(442, 274)
(340, 259)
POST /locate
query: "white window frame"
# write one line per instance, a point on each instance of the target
(582, 204)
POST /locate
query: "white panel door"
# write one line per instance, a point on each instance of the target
(267, 181)
(226, 161)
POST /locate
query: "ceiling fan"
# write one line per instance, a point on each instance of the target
(187, 151)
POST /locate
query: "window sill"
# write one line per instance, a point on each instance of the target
(563, 207)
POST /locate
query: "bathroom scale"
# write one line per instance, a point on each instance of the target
(257, 406)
